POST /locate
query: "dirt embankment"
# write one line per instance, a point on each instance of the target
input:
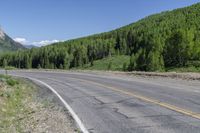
(185, 76)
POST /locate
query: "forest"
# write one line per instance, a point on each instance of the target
(157, 42)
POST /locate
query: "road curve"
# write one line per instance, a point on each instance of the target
(107, 103)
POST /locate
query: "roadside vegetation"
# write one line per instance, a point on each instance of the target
(184, 69)
(11, 104)
(22, 111)
(156, 43)
(115, 63)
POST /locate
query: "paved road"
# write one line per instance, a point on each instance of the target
(107, 103)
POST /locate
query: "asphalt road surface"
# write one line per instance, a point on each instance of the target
(108, 103)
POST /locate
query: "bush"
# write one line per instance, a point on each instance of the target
(125, 67)
(193, 64)
(110, 66)
(11, 82)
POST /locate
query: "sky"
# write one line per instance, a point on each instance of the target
(41, 22)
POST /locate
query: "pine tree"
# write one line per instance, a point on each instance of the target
(5, 63)
(132, 65)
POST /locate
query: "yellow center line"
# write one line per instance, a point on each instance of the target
(146, 99)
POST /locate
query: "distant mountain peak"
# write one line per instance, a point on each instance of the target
(30, 46)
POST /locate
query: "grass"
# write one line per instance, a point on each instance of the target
(23, 110)
(9, 68)
(12, 95)
(184, 69)
(12, 82)
(115, 63)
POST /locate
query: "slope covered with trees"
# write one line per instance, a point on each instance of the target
(168, 39)
(7, 43)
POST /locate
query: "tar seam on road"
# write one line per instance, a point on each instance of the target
(67, 106)
(146, 99)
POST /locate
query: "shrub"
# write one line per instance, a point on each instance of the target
(11, 82)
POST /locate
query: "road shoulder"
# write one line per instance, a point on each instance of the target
(29, 108)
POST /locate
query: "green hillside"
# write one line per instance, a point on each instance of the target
(167, 40)
(8, 44)
(114, 63)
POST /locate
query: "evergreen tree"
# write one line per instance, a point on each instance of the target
(5, 63)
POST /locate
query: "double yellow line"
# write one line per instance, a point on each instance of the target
(146, 99)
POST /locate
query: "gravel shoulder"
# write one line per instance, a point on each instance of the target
(172, 75)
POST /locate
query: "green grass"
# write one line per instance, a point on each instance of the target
(184, 69)
(114, 63)
(10, 68)
(12, 95)
(12, 82)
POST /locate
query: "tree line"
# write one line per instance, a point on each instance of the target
(168, 39)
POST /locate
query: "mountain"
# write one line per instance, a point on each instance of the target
(155, 43)
(7, 43)
(30, 46)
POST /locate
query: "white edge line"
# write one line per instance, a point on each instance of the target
(67, 106)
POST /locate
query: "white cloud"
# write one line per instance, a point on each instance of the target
(24, 41)
(21, 40)
(44, 42)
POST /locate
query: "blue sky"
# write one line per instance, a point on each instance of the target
(41, 22)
